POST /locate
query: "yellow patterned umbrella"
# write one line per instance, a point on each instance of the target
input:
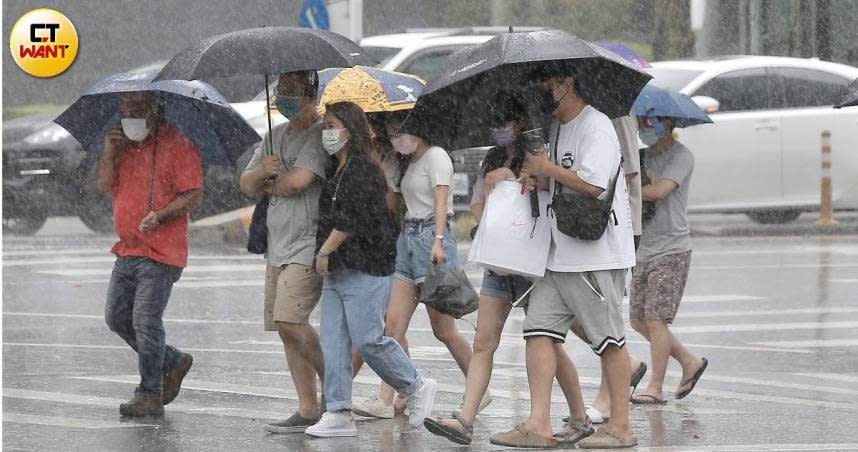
(374, 90)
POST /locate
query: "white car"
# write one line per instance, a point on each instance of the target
(762, 154)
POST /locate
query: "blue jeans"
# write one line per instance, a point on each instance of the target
(504, 287)
(353, 307)
(136, 298)
(414, 250)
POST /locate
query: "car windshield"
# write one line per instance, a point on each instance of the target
(382, 54)
(674, 79)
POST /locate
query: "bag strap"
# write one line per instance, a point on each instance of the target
(611, 183)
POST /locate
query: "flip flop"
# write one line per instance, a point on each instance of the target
(646, 399)
(692, 381)
(638, 376)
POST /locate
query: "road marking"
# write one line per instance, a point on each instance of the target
(113, 403)
(846, 280)
(62, 260)
(221, 283)
(845, 378)
(101, 317)
(744, 327)
(770, 313)
(54, 252)
(813, 343)
(768, 266)
(752, 447)
(743, 348)
(125, 347)
(260, 269)
(20, 418)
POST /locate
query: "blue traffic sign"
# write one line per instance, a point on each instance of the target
(314, 14)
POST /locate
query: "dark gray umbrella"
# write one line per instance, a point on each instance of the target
(266, 50)
(452, 109)
(851, 98)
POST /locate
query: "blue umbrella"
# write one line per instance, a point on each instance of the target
(653, 102)
(197, 109)
(626, 53)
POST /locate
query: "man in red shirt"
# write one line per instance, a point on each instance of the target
(155, 175)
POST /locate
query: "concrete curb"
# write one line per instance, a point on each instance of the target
(776, 230)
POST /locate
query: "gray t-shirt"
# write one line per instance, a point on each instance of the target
(292, 220)
(668, 231)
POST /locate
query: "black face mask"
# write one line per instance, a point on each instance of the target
(545, 100)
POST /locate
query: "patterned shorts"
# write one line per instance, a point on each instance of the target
(657, 287)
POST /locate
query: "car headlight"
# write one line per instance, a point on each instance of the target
(50, 134)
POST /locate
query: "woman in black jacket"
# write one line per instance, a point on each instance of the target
(356, 253)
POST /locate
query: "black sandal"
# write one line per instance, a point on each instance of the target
(440, 428)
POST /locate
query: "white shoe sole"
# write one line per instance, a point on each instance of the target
(431, 387)
(332, 433)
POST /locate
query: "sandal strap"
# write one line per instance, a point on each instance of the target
(468, 428)
(584, 426)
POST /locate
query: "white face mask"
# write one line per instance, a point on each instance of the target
(135, 128)
(405, 144)
(331, 140)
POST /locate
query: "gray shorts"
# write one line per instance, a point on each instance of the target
(594, 298)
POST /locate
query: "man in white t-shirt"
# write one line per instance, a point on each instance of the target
(585, 279)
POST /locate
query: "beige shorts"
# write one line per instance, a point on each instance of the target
(291, 293)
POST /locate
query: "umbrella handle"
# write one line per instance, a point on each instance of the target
(268, 113)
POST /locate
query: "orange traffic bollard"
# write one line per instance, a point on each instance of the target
(826, 211)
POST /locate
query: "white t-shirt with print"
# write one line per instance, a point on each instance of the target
(588, 145)
(432, 169)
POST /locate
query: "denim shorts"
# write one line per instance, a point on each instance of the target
(414, 250)
(504, 287)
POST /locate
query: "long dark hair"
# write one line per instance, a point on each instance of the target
(361, 141)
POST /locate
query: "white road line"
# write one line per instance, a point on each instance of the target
(773, 312)
(813, 343)
(845, 280)
(770, 266)
(54, 252)
(259, 269)
(113, 403)
(125, 347)
(101, 317)
(63, 260)
(20, 418)
(720, 297)
(752, 447)
(742, 348)
(221, 283)
(745, 327)
(845, 378)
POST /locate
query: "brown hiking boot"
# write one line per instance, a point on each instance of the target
(171, 381)
(142, 405)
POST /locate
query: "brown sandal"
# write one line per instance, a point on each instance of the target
(521, 437)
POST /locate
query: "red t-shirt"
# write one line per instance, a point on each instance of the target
(177, 169)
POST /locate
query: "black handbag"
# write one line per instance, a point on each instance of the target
(449, 292)
(257, 235)
(648, 208)
(583, 216)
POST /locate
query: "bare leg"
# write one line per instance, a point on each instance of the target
(403, 303)
(304, 357)
(491, 317)
(444, 328)
(663, 344)
(541, 368)
(615, 366)
(567, 377)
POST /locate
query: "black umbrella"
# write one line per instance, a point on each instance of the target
(266, 51)
(452, 109)
(851, 97)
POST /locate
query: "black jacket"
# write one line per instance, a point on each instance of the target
(360, 209)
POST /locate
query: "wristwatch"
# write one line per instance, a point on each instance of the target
(439, 237)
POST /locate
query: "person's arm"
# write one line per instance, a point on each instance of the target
(262, 167)
(187, 178)
(114, 141)
(571, 180)
(292, 182)
(181, 205)
(659, 190)
(331, 244)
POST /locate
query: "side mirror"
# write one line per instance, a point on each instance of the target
(707, 104)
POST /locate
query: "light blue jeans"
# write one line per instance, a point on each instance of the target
(353, 307)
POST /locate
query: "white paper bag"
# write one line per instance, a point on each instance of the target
(509, 240)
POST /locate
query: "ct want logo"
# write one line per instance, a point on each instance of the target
(43, 42)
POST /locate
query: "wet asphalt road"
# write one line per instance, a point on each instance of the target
(777, 317)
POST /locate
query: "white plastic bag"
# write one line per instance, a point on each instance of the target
(509, 240)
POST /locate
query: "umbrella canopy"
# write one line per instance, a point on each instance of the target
(625, 52)
(198, 110)
(452, 109)
(655, 101)
(851, 98)
(375, 90)
(266, 50)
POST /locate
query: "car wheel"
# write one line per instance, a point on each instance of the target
(774, 216)
(96, 209)
(26, 225)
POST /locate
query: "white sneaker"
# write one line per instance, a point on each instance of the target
(484, 402)
(333, 424)
(420, 403)
(373, 408)
(595, 415)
